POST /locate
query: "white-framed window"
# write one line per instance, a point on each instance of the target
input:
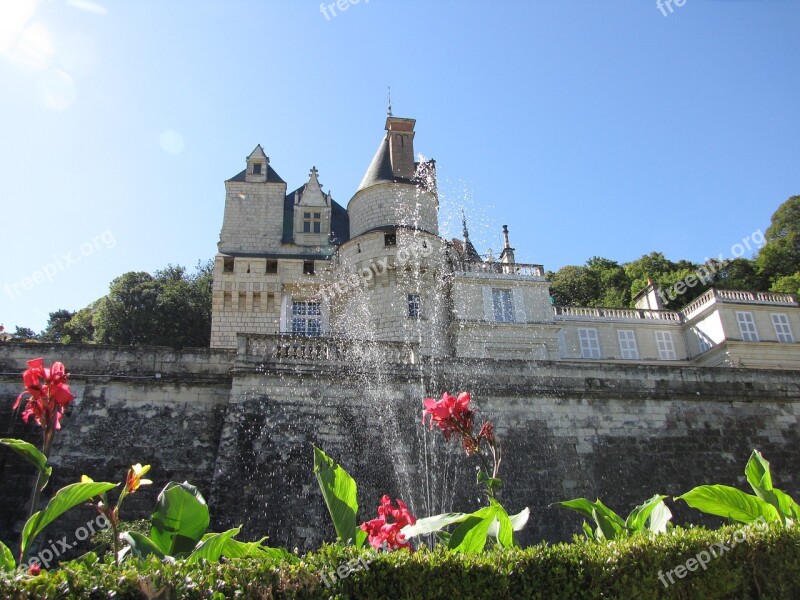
(312, 222)
(782, 328)
(306, 318)
(703, 342)
(666, 349)
(414, 306)
(503, 306)
(747, 326)
(627, 344)
(590, 343)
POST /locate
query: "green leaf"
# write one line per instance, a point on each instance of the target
(588, 531)
(470, 536)
(609, 523)
(787, 507)
(142, 546)
(431, 524)
(637, 520)
(179, 520)
(582, 505)
(728, 502)
(758, 475)
(659, 518)
(31, 453)
(7, 562)
(505, 534)
(65, 498)
(213, 546)
(340, 493)
(236, 549)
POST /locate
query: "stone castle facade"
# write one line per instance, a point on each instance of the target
(299, 266)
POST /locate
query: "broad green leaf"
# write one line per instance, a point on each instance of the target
(609, 524)
(31, 453)
(470, 536)
(582, 505)
(659, 518)
(142, 546)
(637, 520)
(431, 524)
(788, 508)
(7, 562)
(588, 531)
(213, 546)
(236, 549)
(340, 493)
(758, 475)
(65, 498)
(179, 520)
(728, 502)
(505, 531)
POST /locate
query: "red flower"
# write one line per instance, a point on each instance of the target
(383, 532)
(35, 569)
(450, 414)
(46, 392)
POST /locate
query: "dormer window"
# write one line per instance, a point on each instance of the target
(256, 168)
(312, 222)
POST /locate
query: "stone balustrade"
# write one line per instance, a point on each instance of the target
(736, 297)
(582, 312)
(498, 268)
(297, 348)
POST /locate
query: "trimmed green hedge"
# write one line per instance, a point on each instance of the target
(762, 564)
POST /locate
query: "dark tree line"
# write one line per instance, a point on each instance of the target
(606, 283)
(171, 307)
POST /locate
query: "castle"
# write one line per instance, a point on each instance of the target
(300, 265)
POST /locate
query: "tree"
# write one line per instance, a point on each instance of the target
(54, 332)
(23, 334)
(787, 285)
(780, 256)
(126, 316)
(575, 286)
(80, 328)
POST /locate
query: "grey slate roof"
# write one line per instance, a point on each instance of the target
(380, 169)
(340, 220)
(272, 176)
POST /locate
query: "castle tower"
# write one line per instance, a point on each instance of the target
(396, 250)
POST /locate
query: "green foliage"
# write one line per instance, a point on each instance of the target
(340, 493)
(67, 497)
(651, 516)
(769, 504)
(179, 520)
(7, 562)
(169, 308)
(32, 454)
(780, 256)
(790, 284)
(766, 565)
(23, 334)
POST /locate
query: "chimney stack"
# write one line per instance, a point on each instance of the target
(401, 146)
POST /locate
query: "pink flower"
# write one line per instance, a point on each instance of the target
(46, 393)
(450, 414)
(380, 531)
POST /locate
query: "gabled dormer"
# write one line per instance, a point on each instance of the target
(257, 166)
(312, 213)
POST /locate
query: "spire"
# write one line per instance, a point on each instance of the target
(389, 109)
(505, 236)
(470, 254)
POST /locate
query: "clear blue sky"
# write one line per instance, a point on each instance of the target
(590, 128)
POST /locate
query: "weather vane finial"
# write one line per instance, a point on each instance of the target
(389, 109)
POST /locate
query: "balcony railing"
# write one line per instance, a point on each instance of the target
(320, 349)
(581, 312)
(736, 297)
(498, 268)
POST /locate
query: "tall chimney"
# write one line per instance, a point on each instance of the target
(401, 146)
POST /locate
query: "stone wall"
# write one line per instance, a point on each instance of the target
(245, 436)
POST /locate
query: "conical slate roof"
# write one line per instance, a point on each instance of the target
(380, 169)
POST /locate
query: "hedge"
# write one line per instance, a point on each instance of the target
(757, 564)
